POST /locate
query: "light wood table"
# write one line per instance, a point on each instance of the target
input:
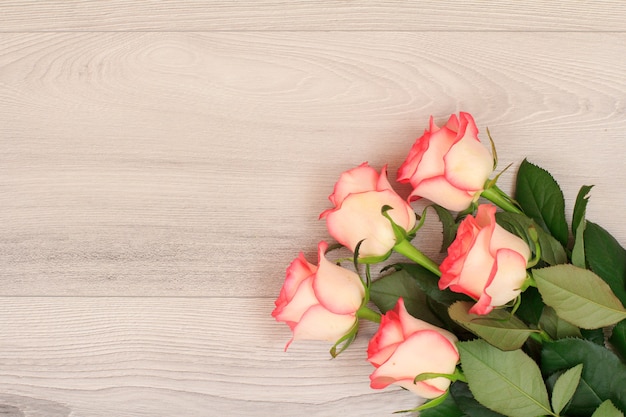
(162, 162)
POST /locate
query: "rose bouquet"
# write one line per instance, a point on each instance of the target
(525, 315)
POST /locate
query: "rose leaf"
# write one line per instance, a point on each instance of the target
(579, 296)
(618, 338)
(603, 376)
(565, 387)
(507, 382)
(498, 328)
(606, 258)
(607, 409)
(541, 198)
(580, 207)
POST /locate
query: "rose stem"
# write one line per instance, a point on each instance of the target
(405, 248)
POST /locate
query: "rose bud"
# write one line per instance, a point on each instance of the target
(448, 165)
(358, 197)
(319, 302)
(485, 262)
(404, 347)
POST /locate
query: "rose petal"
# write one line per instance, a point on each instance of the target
(468, 164)
(338, 289)
(383, 181)
(298, 271)
(409, 166)
(389, 335)
(509, 277)
(425, 351)
(317, 323)
(440, 191)
(478, 262)
(356, 180)
(411, 325)
(452, 265)
(432, 162)
(453, 122)
(503, 239)
(303, 299)
(359, 218)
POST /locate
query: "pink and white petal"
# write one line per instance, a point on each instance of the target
(452, 123)
(381, 356)
(317, 323)
(503, 239)
(409, 166)
(424, 389)
(356, 180)
(486, 216)
(297, 271)
(452, 265)
(402, 213)
(425, 351)
(477, 266)
(359, 218)
(432, 163)
(483, 306)
(468, 165)
(389, 331)
(303, 299)
(509, 278)
(338, 289)
(440, 191)
(383, 181)
(411, 325)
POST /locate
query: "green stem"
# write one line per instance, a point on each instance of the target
(368, 314)
(501, 200)
(541, 336)
(405, 248)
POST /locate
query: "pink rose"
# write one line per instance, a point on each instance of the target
(485, 262)
(319, 302)
(358, 197)
(448, 166)
(404, 347)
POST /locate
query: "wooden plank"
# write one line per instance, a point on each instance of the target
(197, 164)
(175, 357)
(426, 15)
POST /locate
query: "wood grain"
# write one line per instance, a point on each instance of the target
(180, 164)
(363, 15)
(161, 162)
(174, 356)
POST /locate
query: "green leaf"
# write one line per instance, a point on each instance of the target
(429, 283)
(541, 198)
(580, 207)
(603, 377)
(448, 408)
(618, 338)
(607, 409)
(555, 326)
(498, 328)
(507, 382)
(565, 387)
(552, 251)
(579, 296)
(449, 226)
(578, 251)
(606, 258)
(531, 308)
(593, 335)
(385, 291)
(468, 404)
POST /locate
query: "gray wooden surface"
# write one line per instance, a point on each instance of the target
(161, 163)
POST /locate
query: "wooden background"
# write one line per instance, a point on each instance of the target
(162, 162)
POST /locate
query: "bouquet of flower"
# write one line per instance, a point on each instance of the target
(524, 317)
